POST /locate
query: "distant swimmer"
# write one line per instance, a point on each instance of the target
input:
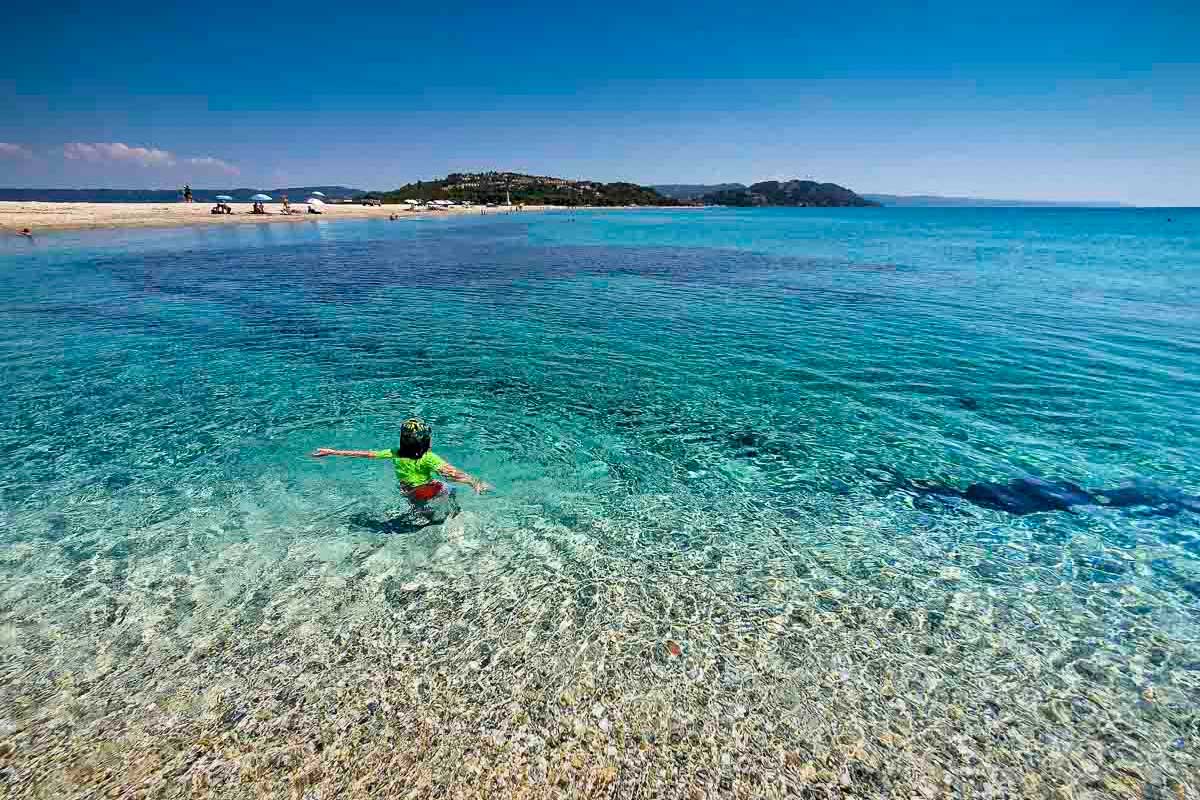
(28, 234)
(417, 468)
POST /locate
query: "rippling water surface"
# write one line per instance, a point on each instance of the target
(728, 550)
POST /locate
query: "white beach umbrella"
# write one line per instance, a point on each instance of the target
(315, 201)
(318, 194)
(260, 198)
(413, 202)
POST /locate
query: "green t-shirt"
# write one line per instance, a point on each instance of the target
(412, 471)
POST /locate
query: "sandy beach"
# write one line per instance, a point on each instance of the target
(39, 216)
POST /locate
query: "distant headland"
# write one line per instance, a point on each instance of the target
(794, 193)
(520, 189)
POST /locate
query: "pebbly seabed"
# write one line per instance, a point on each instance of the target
(712, 566)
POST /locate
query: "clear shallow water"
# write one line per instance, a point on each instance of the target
(698, 424)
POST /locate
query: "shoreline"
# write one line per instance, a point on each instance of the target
(41, 216)
(52, 216)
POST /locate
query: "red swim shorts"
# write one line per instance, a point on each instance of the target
(426, 491)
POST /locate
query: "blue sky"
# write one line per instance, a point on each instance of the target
(1043, 100)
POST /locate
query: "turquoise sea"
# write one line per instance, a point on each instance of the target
(732, 549)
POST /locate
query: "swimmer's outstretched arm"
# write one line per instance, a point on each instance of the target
(321, 452)
(452, 472)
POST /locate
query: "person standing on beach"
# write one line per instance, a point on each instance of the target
(187, 193)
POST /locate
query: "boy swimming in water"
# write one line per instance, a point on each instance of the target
(416, 467)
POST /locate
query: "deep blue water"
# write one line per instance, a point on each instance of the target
(659, 385)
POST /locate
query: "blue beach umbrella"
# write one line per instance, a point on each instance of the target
(318, 194)
(260, 198)
(224, 197)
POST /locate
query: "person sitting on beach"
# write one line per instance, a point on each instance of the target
(417, 467)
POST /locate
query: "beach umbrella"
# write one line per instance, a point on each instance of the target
(261, 198)
(315, 201)
(318, 194)
(413, 202)
(224, 197)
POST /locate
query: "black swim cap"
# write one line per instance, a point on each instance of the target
(415, 438)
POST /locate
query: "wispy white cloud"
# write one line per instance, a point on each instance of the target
(15, 151)
(214, 163)
(118, 151)
(109, 152)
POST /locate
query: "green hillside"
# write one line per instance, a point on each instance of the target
(788, 193)
(496, 187)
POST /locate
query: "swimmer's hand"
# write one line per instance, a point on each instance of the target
(321, 452)
(447, 470)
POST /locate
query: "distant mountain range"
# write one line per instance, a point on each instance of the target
(167, 195)
(930, 200)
